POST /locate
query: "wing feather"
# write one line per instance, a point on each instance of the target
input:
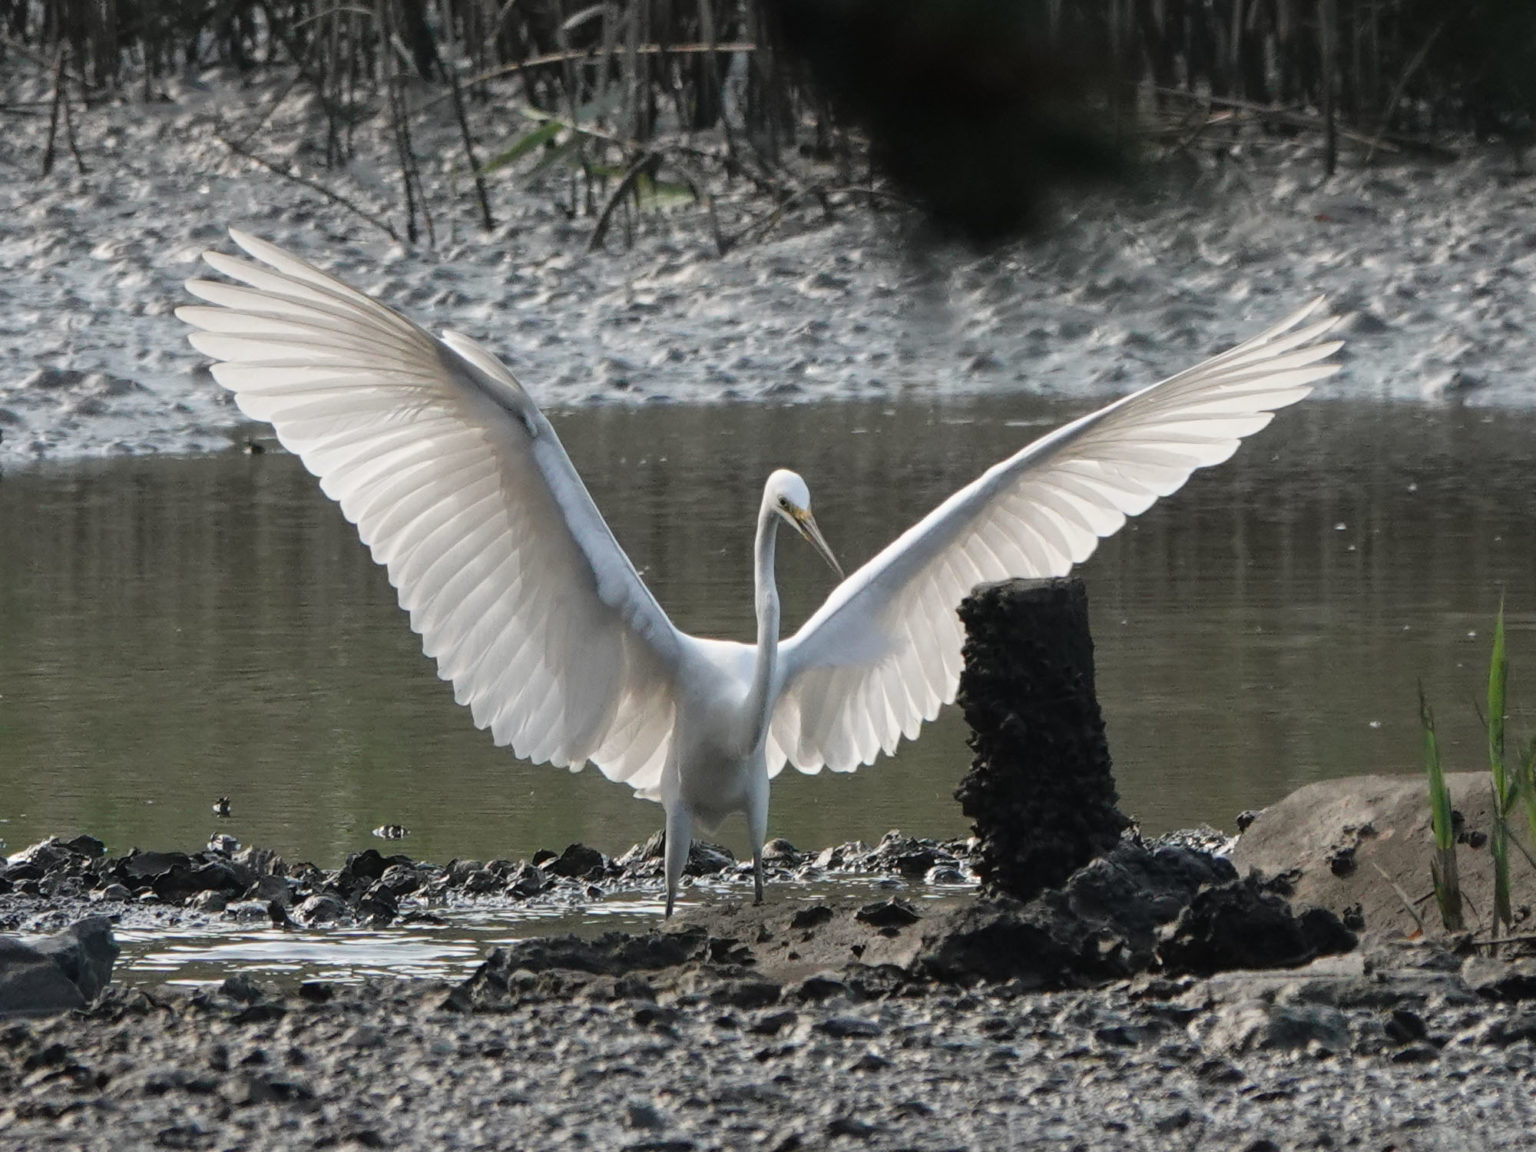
(883, 653)
(462, 490)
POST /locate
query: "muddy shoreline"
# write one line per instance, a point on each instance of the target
(830, 1023)
(1393, 1047)
(842, 304)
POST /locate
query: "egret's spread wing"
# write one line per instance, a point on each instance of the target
(462, 490)
(883, 653)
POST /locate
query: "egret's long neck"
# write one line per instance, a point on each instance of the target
(760, 698)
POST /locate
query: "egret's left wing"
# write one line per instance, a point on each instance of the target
(462, 490)
(883, 653)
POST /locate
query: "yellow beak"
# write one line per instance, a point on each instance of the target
(806, 524)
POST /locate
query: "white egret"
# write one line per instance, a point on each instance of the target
(520, 592)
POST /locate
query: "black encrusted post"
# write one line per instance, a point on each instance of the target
(1040, 789)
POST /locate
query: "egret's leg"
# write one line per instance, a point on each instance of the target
(757, 829)
(679, 837)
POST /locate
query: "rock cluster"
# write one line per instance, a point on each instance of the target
(77, 876)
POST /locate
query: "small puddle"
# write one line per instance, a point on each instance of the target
(212, 950)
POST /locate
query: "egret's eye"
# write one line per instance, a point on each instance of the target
(784, 502)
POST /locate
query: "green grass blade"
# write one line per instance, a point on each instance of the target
(1498, 681)
(540, 136)
(1442, 868)
(568, 151)
(1503, 792)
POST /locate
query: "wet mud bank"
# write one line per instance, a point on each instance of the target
(1157, 999)
(1433, 257)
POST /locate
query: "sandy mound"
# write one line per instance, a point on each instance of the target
(1362, 846)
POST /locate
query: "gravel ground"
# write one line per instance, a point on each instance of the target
(1390, 1048)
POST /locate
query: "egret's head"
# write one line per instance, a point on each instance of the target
(790, 500)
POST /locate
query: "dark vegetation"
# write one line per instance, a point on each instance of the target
(976, 109)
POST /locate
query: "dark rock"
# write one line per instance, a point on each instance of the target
(85, 953)
(1234, 925)
(57, 974)
(811, 917)
(481, 881)
(1416, 1054)
(726, 950)
(319, 910)
(87, 846)
(772, 1023)
(459, 871)
(578, 861)
(1175, 1121)
(707, 859)
(1040, 789)
(905, 856)
(746, 993)
(1517, 1028)
(945, 874)
(815, 988)
(243, 989)
(261, 861)
(645, 860)
(527, 881)
(893, 913)
(1122, 914)
(995, 940)
(52, 854)
(401, 879)
(1500, 979)
(781, 852)
(645, 1116)
(844, 1027)
(208, 902)
(1405, 1027)
(363, 868)
(32, 984)
(850, 1126)
(139, 869)
(183, 880)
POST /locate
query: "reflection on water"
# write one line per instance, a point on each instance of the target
(451, 947)
(174, 630)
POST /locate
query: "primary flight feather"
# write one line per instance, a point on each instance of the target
(461, 489)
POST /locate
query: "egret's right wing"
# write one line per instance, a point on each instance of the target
(462, 490)
(884, 651)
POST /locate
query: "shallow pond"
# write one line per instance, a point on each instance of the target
(175, 630)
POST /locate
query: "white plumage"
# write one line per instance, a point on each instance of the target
(462, 490)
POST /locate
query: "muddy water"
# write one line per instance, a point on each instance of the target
(175, 630)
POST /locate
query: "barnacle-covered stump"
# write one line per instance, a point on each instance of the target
(1040, 790)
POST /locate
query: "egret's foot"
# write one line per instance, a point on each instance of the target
(757, 878)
